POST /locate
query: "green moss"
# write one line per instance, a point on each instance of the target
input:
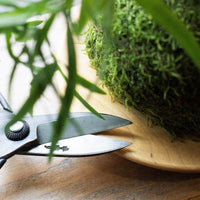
(145, 68)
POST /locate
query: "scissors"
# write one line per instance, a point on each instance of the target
(32, 134)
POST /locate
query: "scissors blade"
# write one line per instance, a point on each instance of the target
(87, 145)
(82, 125)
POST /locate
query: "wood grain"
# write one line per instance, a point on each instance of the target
(93, 178)
(151, 146)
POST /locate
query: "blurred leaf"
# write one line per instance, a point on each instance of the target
(165, 17)
(36, 69)
(10, 3)
(11, 79)
(19, 16)
(27, 31)
(78, 96)
(16, 60)
(69, 4)
(69, 93)
(87, 105)
(90, 86)
(9, 47)
(39, 84)
(108, 12)
(42, 35)
(90, 10)
(83, 18)
(34, 23)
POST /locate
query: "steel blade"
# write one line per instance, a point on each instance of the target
(82, 125)
(87, 145)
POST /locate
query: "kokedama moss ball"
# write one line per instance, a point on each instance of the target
(145, 68)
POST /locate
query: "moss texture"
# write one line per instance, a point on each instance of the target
(145, 68)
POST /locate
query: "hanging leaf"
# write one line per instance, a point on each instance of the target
(90, 10)
(78, 96)
(38, 86)
(69, 93)
(90, 86)
(27, 9)
(87, 105)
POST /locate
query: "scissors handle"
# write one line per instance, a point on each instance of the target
(5, 104)
(2, 162)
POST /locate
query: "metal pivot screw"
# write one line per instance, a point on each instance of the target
(18, 131)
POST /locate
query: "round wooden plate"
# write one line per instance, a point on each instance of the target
(151, 146)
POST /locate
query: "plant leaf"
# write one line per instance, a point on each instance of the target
(90, 9)
(16, 60)
(69, 93)
(42, 34)
(78, 96)
(9, 47)
(90, 86)
(83, 19)
(87, 105)
(39, 84)
(19, 16)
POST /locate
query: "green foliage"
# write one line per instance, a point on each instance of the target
(18, 24)
(173, 25)
(147, 67)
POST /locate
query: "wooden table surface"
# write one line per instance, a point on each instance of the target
(102, 177)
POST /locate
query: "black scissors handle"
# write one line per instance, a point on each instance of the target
(2, 162)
